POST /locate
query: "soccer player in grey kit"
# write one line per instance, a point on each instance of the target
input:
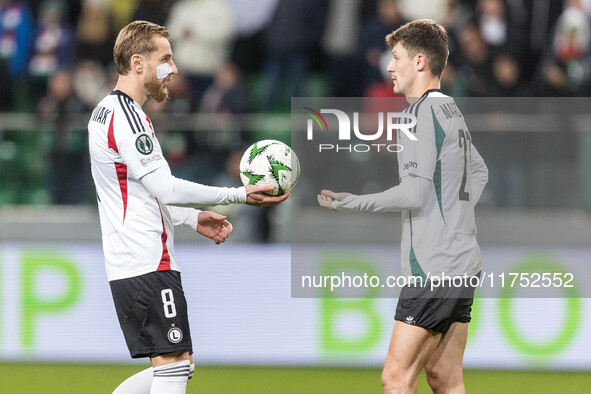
(442, 176)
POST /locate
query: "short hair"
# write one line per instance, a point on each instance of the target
(426, 36)
(135, 38)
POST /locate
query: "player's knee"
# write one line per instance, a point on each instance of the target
(395, 377)
(442, 380)
(434, 378)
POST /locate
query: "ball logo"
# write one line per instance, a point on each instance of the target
(144, 144)
(175, 335)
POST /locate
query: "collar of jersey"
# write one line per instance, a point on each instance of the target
(120, 93)
(426, 93)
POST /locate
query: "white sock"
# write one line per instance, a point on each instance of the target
(139, 383)
(171, 378)
(191, 371)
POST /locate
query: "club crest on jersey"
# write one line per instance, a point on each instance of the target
(175, 335)
(144, 144)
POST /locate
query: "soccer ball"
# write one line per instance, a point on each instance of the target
(270, 162)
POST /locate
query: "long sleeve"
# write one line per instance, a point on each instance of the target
(411, 193)
(184, 216)
(173, 191)
(478, 174)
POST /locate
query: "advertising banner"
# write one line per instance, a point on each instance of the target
(56, 306)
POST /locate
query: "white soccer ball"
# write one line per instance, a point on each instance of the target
(270, 162)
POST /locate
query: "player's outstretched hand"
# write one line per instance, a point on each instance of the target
(214, 226)
(256, 197)
(326, 197)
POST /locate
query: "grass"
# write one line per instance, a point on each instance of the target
(16, 378)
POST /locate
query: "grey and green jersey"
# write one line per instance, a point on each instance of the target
(440, 237)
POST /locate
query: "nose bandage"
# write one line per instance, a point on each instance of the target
(162, 70)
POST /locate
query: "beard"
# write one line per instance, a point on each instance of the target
(155, 89)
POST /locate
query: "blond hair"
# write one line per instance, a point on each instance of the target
(135, 38)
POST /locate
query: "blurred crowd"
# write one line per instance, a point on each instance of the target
(250, 56)
(498, 47)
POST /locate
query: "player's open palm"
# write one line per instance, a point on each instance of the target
(256, 197)
(326, 197)
(214, 226)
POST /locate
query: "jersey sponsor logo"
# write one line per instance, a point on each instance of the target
(410, 164)
(144, 144)
(175, 335)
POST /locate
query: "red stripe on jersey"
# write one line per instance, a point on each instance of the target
(111, 136)
(165, 258)
(122, 177)
(149, 122)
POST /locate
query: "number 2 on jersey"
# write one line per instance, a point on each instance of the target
(168, 302)
(466, 146)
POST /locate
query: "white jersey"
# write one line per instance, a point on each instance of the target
(440, 237)
(137, 230)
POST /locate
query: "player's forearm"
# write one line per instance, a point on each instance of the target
(183, 216)
(410, 194)
(178, 192)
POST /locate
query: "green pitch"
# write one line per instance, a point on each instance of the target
(90, 378)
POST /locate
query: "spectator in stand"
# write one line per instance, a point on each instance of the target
(455, 14)
(421, 9)
(227, 94)
(476, 61)
(155, 11)
(201, 34)
(90, 82)
(507, 77)
(94, 32)
(453, 82)
(338, 43)
(565, 69)
(122, 12)
(573, 33)
(53, 46)
(371, 40)
(501, 24)
(292, 37)
(15, 44)
(250, 19)
(225, 97)
(553, 81)
(69, 153)
(492, 22)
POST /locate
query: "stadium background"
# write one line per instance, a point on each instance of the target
(241, 61)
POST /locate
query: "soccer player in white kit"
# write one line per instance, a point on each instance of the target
(140, 202)
(441, 179)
